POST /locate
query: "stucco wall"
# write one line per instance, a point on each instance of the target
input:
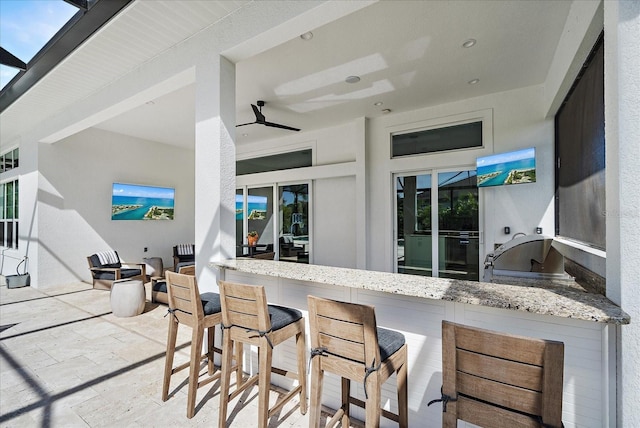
(74, 202)
(334, 199)
(517, 122)
(335, 222)
(622, 135)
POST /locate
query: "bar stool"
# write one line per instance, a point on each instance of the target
(198, 311)
(494, 379)
(345, 340)
(247, 319)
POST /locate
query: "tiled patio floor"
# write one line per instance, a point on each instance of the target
(67, 361)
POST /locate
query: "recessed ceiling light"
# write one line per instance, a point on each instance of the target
(469, 43)
(386, 110)
(352, 79)
(473, 81)
(306, 36)
(377, 104)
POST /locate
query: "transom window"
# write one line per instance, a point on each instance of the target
(278, 162)
(446, 138)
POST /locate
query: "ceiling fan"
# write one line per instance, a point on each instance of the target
(261, 120)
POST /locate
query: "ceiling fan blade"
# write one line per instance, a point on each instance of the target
(277, 125)
(261, 120)
(245, 124)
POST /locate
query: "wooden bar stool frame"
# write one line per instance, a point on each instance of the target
(500, 380)
(344, 341)
(185, 307)
(245, 318)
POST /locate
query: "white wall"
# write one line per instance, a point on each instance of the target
(74, 202)
(334, 222)
(252, 29)
(515, 121)
(334, 199)
(622, 135)
(518, 122)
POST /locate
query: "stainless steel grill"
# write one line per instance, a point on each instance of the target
(529, 256)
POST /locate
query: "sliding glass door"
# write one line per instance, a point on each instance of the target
(458, 226)
(257, 212)
(413, 224)
(288, 220)
(294, 223)
(437, 228)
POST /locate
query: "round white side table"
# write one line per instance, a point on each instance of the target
(127, 297)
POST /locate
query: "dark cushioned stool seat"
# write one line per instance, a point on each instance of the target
(211, 303)
(389, 342)
(282, 317)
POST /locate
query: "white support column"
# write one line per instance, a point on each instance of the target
(622, 135)
(215, 166)
(361, 199)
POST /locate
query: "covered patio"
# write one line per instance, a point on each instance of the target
(68, 361)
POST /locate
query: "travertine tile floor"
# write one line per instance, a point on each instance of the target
(67, 361)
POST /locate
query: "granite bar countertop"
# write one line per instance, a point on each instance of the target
(545, 297)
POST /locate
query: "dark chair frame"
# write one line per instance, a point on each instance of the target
(183, 258)
(117, 272)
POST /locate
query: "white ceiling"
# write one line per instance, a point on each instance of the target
(408, 55)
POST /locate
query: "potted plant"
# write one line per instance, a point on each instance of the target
(252, 238)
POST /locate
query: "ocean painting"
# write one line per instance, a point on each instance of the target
(135, 202)
(507, 168)
(257, 207)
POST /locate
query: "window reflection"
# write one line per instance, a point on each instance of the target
(294, 223)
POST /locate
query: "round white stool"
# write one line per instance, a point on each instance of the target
(127, 297)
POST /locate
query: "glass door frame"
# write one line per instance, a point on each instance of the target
(275, 213)
(435, 226)
(245, 214)
(309, 184)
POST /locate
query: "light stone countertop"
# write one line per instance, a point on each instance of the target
(545, 297)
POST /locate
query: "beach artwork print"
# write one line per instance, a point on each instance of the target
(257, 207)
(507, 168)
(135, 202)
